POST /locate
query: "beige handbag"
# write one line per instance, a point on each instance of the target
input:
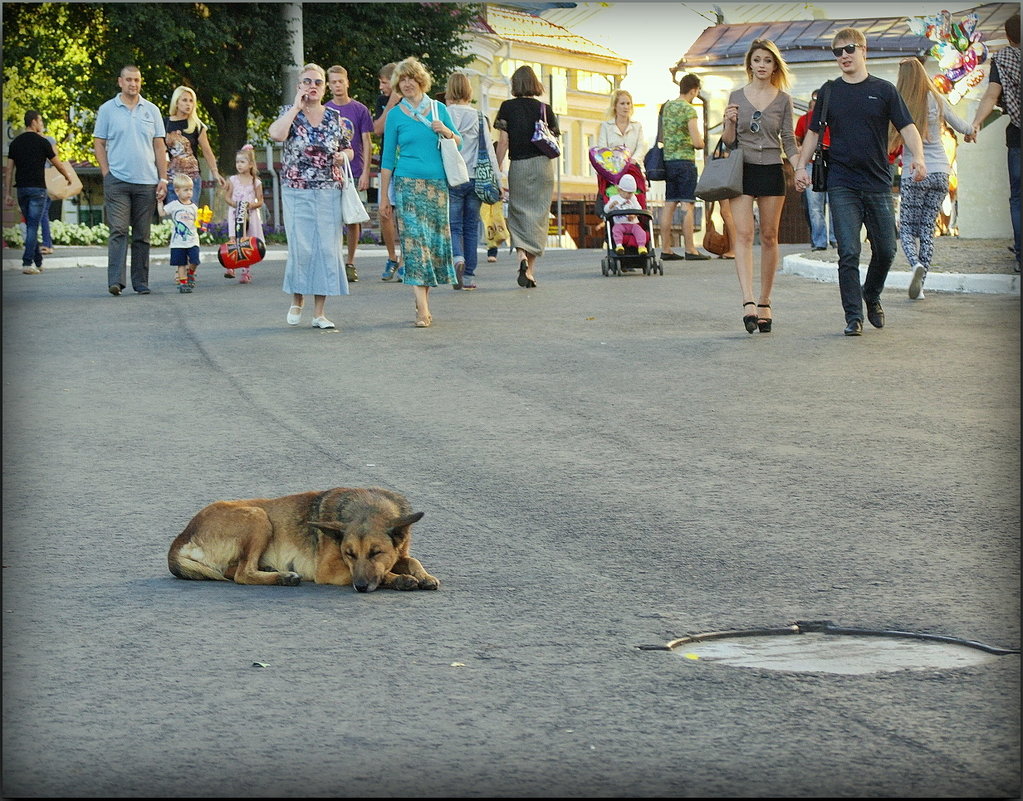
(57, 186)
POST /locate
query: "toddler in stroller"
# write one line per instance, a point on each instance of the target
(627, 224)
(621, 201)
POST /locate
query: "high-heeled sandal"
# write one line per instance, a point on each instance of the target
(749, 320)
(764, 323)
(521, 278)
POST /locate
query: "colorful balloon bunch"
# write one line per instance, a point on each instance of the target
(959, 51)
(204, 218)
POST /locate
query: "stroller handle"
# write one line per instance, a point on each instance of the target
(610, 215)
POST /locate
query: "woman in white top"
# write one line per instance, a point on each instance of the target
(463, 202)
(920, 201)
(621, 129)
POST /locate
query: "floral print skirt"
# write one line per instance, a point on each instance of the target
(421, 209)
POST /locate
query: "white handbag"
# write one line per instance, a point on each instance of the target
(454, 165)
(352, 210)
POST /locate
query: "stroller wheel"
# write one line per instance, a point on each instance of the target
(604, 266)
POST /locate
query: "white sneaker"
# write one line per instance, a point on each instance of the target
(916, 283)
(294, 315)
(322, 322)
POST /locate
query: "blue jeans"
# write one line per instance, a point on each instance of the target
(464, 214)
(128, 205)
(816, 206)
(1013, 161)
(33, 202)
(853, 209)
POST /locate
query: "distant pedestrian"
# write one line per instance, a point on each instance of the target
(46, 237)
(530, 172)
(817, 207)
(187, 136)
(759, 118)
(27, 156)
(128, 140)
(315, 147)
(859, 180)
(358, 126)
(1004, 89)
(920, 201)
(244, 195)
(683, 136)
(465, 204)
(620, 129)
(184, 238)
(388, 98)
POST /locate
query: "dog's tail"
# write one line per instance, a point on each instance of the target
(188, 561)
(185, 568)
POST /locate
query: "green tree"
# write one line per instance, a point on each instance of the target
(64, 58)
(363, 37)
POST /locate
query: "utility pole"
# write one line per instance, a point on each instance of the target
(290, 70)
(293, 62)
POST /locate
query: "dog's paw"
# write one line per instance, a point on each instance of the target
(404, 582)
(429, 583)
(289, 579)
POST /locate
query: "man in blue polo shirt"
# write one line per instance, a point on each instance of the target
(128, 141)
(860, 108)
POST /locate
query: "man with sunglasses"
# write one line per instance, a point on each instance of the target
(860, 107)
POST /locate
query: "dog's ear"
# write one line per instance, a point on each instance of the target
(399, 528)
(329, 527)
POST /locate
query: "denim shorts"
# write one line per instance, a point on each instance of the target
(180, 256)
(680, 184)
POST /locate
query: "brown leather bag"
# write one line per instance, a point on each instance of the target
(714, 242)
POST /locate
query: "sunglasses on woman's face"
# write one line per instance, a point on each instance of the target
(316, 81)
(754, 125)
(849, 48)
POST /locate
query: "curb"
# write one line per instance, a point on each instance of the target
(984, 283)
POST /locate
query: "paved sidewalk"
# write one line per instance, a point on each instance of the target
(960, 265)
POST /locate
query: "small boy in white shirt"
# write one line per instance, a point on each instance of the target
(184, 241)
(626, 199)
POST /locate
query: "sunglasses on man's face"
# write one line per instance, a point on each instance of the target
(754, 125)
(849, 48)
(316, 81)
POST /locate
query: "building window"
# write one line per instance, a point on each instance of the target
(509, 65)
(595, 82)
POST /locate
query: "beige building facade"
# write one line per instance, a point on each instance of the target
(579, 75)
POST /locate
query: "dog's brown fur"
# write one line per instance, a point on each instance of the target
(341, 536)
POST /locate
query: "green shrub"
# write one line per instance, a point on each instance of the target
(80, 234)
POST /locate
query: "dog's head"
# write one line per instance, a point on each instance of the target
(370, 546)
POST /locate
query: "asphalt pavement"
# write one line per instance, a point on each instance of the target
(603, 463)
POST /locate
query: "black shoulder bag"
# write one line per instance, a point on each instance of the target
(819, 168)
(653, 161)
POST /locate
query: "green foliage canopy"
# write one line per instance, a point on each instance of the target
(64, 58)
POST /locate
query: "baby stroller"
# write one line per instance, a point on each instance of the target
(611, 164)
